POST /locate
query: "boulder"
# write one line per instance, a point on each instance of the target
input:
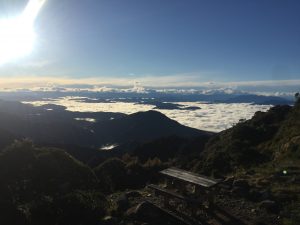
(254, 195)
(265, 195)
(229, 180)
(108, 220)
(241, 183)
(269, 205)
(240, 187)
(145, 211)
(122, 203)
(133, 194)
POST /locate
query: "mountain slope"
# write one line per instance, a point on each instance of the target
(248, 143)
(264, 154)
(47, 186)
(142, 126)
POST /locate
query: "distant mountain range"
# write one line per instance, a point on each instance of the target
(160, 99)
(259, 99)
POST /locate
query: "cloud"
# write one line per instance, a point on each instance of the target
(185, 83)
(211, 117)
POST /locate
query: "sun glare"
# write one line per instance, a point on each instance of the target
(17, 35)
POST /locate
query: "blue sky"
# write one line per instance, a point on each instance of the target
(209, 40)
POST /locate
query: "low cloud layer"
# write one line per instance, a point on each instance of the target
(210, 117)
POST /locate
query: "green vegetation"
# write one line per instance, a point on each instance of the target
(265, 151)
(46, 186)
(244, 145)
(117, 175)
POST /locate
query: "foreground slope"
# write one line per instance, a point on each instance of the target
(46, 186)
(264, 152)
(266, 138)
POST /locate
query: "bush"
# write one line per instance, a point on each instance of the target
(80, 208)
(34, 187)
(112, 175)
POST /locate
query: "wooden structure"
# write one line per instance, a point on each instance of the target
(189, 177)
(192, 211)
(178, 180)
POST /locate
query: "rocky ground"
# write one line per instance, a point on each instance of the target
(231, 207)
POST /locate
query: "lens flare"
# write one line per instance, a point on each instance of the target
(17, 35)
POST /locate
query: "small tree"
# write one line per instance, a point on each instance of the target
(297, 98)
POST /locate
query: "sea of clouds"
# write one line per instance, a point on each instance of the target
(211, 116)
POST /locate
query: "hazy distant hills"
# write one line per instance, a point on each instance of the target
(153, 97)
(258, 99)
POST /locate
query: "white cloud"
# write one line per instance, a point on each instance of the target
(188, 83)
(211, 117)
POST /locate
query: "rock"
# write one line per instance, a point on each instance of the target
(240, 187)
(253, 210)
(265, 195)
(259, 222)
(241, 183)
(133, 194)
(144, 210)
(263, 182)
(131, 212)
(227, 183)
(254, 195)
(108, 220)
(229, 180)
(269, 205)
(241, 191)
(122, 203)
(250, 172)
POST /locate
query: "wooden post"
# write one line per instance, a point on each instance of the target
(169, 183)
(197, 191)
(180, 186)
(211, 197)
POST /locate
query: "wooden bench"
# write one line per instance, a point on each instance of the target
(189, 177)
(203, 186)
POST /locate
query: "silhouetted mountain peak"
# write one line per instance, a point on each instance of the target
(150, 116)
(143, 126)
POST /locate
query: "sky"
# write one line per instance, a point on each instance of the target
(184, 42)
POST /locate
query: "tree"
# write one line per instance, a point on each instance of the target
(297, 97)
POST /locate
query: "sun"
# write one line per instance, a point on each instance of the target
(17, 35)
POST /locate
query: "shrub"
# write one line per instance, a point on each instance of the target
(111, 175)
(80, 208)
